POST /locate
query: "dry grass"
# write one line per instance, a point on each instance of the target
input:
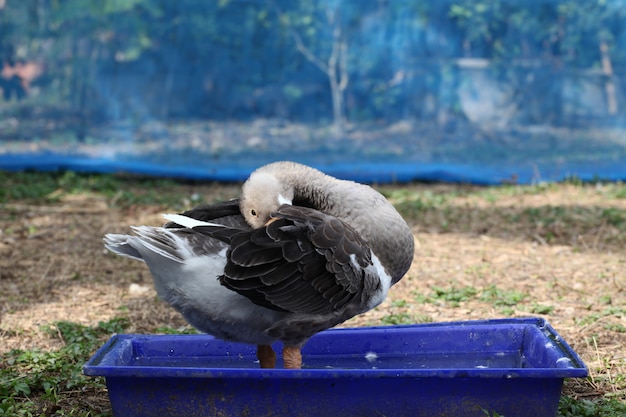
(554, 251)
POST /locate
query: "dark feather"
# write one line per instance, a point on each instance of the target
(226, 213)
(304, 261)
(314, 273)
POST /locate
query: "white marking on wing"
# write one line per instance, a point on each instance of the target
(282, 200)
(385, 282)
(188, 222)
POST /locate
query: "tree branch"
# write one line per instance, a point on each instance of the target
(307, 52)
(609, 85)
(343, 64)
(310, 56)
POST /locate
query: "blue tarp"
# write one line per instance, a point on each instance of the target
(367, 172)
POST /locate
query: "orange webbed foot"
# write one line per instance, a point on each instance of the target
(266, 356)
(292, 357)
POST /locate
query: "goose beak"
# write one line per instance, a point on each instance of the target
(270, 221)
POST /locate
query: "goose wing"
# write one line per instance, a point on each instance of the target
(225, 213)
(225, 220)
(304, 261)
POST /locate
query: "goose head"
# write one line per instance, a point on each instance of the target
(261, 195)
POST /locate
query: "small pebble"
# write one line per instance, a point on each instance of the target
(136, 289)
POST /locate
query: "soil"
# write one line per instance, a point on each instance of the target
(53, 267)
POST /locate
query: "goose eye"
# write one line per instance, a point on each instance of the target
(253, 212)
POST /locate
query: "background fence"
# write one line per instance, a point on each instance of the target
(450, 90)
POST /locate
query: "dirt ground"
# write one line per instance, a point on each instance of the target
(53, 267)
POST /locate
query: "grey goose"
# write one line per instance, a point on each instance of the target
(298, 252)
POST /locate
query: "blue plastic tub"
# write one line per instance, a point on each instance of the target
(512, 367)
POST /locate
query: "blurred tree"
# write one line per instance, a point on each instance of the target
(377, 60)
(85, 34)
(310, 20)
(559, 34)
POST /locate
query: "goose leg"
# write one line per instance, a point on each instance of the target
(266, 356)
(292, 357)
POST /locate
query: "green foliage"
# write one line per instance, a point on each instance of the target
(48, 187)
(602, 407)
(26, 186)
(541, 309)
(564, 24)
(413, 205)
(395, 319)
(616, 311)
(47, 375)
(613, 216)
(179, 330)
(616, 190)
(466, 212)
(501, 298)
(82, 39)
(452, 294)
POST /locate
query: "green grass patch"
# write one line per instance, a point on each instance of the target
(499, 297)
(611, 310)
(403, 318)
(37, 382)
(464, 211)
(541, 309)
(412, 204)
(504, 301)
(395, 319)
(178, 330)
(48, 187)
(601, 407)
(453, 295)
(494, 194)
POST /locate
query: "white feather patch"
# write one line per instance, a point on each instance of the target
(385, 282)
(282, 200)
(188, 222)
